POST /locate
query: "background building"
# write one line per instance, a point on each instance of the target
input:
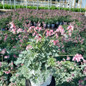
(57, 3)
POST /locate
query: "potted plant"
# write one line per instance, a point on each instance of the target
(36, 64)
(52, 23)
(44, 25)
(56, 22)
(49, 23)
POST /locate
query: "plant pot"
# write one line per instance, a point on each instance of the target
(28, 83)
(31, 23)
(52, 26)
(50, 81)
(3, 29)
(65, 23)
(61, 23)
(57, 24)
(44, 25)
(35, 24)
(48, 25)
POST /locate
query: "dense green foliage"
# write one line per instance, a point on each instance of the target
(6, 6)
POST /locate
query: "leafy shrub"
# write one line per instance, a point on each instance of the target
(4, 22)
(34, 7)
(68, 73)
(1, 6)
(40, 59)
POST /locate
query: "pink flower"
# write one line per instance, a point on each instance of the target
(12, 25)
(85, 61)
(31, 29)
(70, 29)
(69, 79)
(5, 38)
(56, 35)
(61, 30)
(0, 64)
(55, 42)
(19, 30)
(38, 37)
(84, 78)
(34, 33)
(19, 36)
(11, 63)
(80, 81)
(38, 28)
(69, 33)
(14, 56)
(11, 68)
(21, 41)
(28, 47)
(78, 58)
(49, 33)
(6, 57)
(68, 58)
(22, 64)
(14, 46)
(13, 31)
(3, 51)
(73, 75)
(17, 75)
(7, 72)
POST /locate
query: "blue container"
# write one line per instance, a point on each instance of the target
(3, 29)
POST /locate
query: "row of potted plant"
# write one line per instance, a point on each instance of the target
(50, 17)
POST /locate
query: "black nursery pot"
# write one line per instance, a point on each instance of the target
(68, 23)
(57, 24)
(31, 23)
(52, 26)
(48, 25)
(34, 24)
(44, 25)
(61, 23)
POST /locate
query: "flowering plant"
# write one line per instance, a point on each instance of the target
(37, 62)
